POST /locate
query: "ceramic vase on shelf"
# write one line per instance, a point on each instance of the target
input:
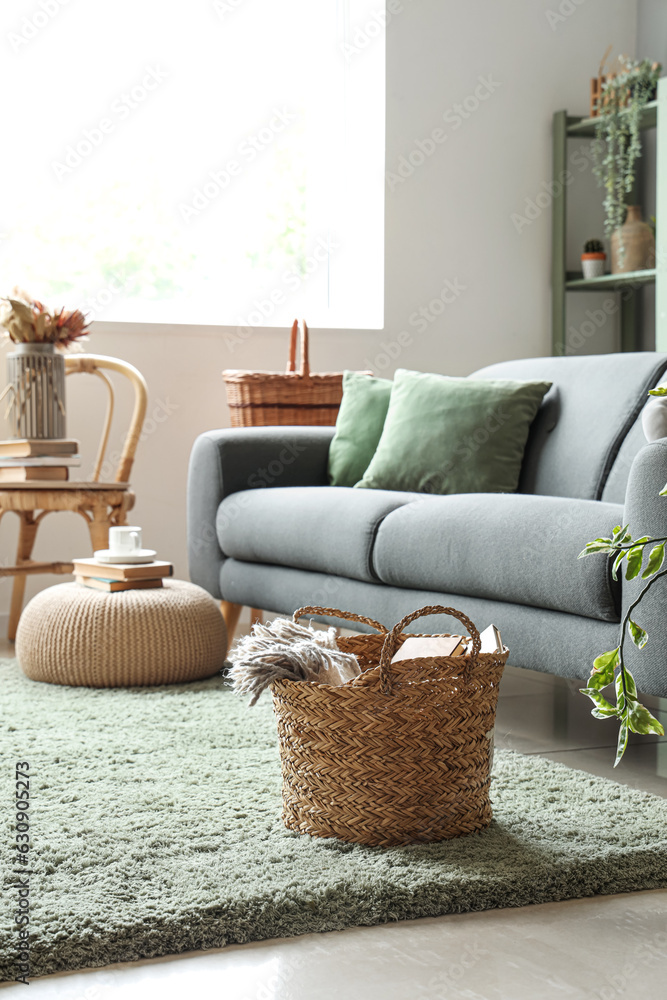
(636, 238)
(36, 391)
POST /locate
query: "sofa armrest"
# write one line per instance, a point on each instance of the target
(646, 514)
(233, 459)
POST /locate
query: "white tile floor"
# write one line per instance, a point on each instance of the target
(605, 948)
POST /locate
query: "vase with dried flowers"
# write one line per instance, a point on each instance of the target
(36, 367)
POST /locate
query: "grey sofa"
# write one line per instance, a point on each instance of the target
(265, 529)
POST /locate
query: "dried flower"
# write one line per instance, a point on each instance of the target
(28, 321)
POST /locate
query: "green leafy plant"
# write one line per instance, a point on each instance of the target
(593, 246)
(609, 668)
(617, 148)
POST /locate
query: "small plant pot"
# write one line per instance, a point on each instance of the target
(592, 264)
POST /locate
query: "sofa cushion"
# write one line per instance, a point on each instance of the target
(445, 434)
(325, 528)
(577, 435)
(358, 426)
(520, 549)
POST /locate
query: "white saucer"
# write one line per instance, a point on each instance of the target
(140, 556)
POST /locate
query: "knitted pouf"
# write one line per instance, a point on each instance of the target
(70, 634)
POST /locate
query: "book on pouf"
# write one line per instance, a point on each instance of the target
(111, 586)
(123, 571)
(113, 577)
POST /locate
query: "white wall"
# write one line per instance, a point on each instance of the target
(450, 221)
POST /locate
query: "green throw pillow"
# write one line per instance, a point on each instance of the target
(358, 427)
(454, 435)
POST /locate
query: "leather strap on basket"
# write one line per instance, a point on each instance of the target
(304, 369)
(391, 642)
(335, 613)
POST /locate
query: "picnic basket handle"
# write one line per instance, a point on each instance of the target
(304, 369)
(390, 643)
(335, 613)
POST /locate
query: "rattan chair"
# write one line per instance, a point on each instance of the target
(102, 504)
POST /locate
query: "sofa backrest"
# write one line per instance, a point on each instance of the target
(588, 430)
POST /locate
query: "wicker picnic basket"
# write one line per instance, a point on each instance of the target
(257, 399)
(400, 754)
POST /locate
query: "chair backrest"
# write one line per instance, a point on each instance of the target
(588, 429)
(92, 364)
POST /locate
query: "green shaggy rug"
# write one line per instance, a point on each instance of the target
(155, 828)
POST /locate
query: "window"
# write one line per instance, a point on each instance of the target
(216, 162)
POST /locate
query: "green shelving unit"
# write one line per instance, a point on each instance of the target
(567, 127)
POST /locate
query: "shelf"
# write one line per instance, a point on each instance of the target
(576, 283)
(586, 126)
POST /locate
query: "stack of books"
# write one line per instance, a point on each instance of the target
(121, 576)
(27, 460)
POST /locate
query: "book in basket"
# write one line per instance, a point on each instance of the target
(403, 751)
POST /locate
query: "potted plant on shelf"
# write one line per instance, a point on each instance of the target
(592, 259)
(609, 668)
(36, 368)
(615, 153)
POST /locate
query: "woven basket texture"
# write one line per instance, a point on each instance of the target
(259, 399)
(70, 634)
(400, 754)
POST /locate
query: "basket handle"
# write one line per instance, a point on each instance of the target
(304, 368)
(335, 613)
(391, 642)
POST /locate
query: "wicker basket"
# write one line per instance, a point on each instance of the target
(257, 399)
(398, 755)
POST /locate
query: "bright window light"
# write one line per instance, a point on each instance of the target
(218, 162)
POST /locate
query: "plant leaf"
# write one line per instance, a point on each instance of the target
(660, 391)
(602, 673)
(639, 636)
(655, 560)
(663, 493)
(641, 721)
(617, 564)
(635, 559)
(599, 545)
(606, 660)
(630, 687)
(622, 743)
(621, 535)
(603, 708)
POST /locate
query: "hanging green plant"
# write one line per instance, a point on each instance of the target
(617, 146)
(610, 668)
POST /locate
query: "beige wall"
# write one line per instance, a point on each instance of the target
(448, 226)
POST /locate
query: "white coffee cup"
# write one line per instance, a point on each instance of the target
(124, 540)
